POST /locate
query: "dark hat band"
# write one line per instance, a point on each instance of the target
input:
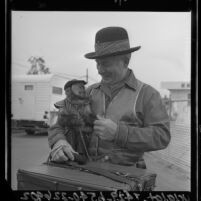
(111, 47)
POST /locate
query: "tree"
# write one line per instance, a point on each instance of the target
(38, 66)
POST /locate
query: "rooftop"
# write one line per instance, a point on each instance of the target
(176, 85)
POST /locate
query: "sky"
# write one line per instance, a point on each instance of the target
(63, 38)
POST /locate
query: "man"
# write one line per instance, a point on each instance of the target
(131, 117)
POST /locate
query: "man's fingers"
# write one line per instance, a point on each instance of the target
(60, 157)
(99, 122)
(73, 151)
(98, 128)
(99, 134)
(68, 152)
(55, 158)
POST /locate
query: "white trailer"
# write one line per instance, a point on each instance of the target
(34, 95)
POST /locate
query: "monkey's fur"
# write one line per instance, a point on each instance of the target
(77, 118)
(74, 121)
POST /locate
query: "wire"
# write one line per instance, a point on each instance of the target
(69, 76)
(66, 74)
(27, 67)
(21, 65)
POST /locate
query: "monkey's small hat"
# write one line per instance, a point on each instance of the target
(71, 82)
(111, 41)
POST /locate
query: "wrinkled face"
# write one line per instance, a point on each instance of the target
(111, 69)
(79, 90)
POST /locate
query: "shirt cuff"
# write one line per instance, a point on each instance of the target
(121, 137)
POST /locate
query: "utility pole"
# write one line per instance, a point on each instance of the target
(87, 76)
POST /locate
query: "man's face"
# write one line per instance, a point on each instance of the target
(110, 69)
(78, 89)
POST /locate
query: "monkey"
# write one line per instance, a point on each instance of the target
(75, 114)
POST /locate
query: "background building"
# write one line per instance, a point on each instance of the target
(179, 106)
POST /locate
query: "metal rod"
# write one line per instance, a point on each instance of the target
(83, 142)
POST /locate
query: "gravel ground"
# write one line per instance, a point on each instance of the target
(28, 151)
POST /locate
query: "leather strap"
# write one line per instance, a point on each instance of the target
(84, 145)
(98, 171)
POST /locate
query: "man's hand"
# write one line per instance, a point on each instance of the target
(62, 151)
(105, 128)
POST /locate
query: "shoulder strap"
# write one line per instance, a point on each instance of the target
(139, 87)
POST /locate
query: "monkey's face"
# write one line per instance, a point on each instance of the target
(78, 90)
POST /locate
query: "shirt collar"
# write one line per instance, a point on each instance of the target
(131, 81)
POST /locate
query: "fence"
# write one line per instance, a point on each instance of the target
(179, 150)
(179, 111)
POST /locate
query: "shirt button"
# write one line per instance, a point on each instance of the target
(106, 158)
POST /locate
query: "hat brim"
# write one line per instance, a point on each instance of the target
(74, 82)
(94, 55)
(80, 81)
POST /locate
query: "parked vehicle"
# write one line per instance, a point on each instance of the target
(32, 101)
